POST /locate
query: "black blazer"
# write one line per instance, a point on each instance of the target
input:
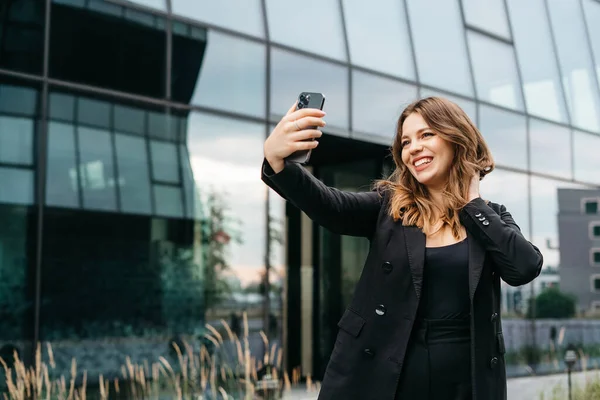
(393, 275)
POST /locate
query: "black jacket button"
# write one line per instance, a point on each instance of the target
(369, 352)
(494, 362)
(387, 267)
(380, 310)
(494, 317)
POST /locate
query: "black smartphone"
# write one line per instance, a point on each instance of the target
(307, 100)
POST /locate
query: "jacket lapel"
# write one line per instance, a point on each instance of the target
(476, 259)
(415, 248)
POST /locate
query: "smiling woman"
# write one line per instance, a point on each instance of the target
(428, 295)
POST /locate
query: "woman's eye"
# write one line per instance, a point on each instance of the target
(427, 134)
(404, 143)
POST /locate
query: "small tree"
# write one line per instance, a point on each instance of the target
(552, 303)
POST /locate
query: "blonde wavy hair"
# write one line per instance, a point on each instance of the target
(409, 200)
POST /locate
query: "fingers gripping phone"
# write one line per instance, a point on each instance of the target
(307, 100)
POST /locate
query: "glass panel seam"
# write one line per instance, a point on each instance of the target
(469, 58)
(349, 60)
(113, 144)
(139, 7)
(412, 46)
(558, 66)
(309, 54)
(521, 85)
(263, 7)
(489, 34)
(589, 46)
(149, 164)
(216, 28)
(42, 143)
(21, 75)
(17, 166)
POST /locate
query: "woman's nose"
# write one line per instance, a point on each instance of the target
(415, 148)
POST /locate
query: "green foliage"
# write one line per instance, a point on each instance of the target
(552, 303)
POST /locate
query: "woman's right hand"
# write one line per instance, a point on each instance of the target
(291, 134)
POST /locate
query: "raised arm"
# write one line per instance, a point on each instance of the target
(341, 212)
(518, 261)
(346, 213)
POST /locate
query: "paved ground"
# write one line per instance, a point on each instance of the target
(530, 388)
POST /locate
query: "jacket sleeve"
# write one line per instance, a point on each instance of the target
(345, 213)
(518, 261)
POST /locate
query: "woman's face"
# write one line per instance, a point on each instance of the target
(427, 156)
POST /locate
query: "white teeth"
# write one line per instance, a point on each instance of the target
(423, 161)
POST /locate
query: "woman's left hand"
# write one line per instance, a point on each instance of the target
(474, 187)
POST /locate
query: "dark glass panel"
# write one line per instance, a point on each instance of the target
(104, 48)
(22, 35)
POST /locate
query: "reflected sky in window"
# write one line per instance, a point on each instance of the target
(495, 71)
(441, 63)
(313, 25)
(293, 73)
(226, 156)
(550, 149)
(378, 37)
(232, 75)
(581, 89)
(537, 62)
(245, 17)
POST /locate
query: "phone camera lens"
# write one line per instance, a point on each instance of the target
(302, 98)
(300, 105)
(307, 97)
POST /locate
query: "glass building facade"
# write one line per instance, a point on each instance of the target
(131, 207)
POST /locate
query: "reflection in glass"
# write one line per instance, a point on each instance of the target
(22, 35)
(226, 13)
(377, 103)
(224, 155)
(506, 135)
(586, 158)
(537, 62)
(134, 179)
(165, 162)
(550, 149)
(16, 186)
(317, 26)
(96, 169)
(371, 29)
(231, 76)
(93, 112)
(544, 213)
(16, 255)
(62, 106)
(18, 100)
(168, 201)
(293, 74)
(156, 4)
(62, 188)
(592, 14)
(441, 63)
(117, 284)
(495, 71)
(114, 50)
(581, 89)
(509, 189)
(129, 119)
(468, 106)
(16, 140)
(488, 15)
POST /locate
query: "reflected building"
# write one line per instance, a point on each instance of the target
(579, 230)
(131, 136)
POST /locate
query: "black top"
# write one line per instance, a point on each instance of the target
(445, 293)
